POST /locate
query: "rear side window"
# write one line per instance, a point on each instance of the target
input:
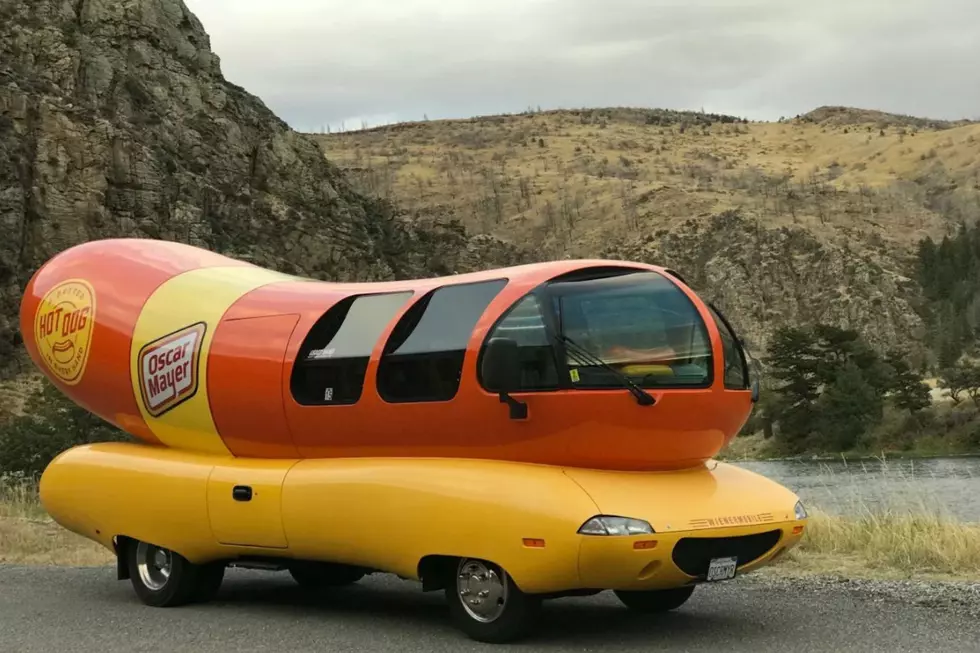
(332, 361)
(423, 359)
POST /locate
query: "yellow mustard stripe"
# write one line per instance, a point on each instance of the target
(169, 354)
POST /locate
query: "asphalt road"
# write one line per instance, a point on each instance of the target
(64, 610)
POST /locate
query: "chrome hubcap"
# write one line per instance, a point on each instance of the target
(482, 590)
(154, 565)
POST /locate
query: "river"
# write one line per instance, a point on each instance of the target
(950, 486)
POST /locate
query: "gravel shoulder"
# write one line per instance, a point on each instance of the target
(86, 609)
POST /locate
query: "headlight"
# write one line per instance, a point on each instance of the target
(800, 510)
(609, 525)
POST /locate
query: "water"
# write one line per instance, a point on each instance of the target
(950, 486)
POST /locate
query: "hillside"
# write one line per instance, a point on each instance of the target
(115, 120)
(811, 219)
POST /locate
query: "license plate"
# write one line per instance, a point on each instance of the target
(721, 569)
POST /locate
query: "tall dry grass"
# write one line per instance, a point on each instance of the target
(886, 518)
(894, 544)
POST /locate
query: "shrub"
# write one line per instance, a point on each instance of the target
(51, 424)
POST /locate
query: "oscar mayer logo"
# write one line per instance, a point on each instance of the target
(168, 369)
(63, 329)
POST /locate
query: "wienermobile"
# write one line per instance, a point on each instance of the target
(506, 436)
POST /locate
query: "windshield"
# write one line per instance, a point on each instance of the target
(641, 323)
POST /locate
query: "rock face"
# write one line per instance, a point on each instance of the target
(764, 277)
(115, 120)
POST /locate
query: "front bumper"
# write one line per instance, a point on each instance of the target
(666, 560)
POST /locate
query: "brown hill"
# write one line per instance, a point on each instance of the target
(838, 116)
(814, 219)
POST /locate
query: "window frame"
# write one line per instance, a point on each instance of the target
(743, 359)
(557, 349)
(345, 304)
(547, 296)
(424, 302)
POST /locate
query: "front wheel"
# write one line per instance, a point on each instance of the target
(654, 601)
(164, 578)
(486, 604)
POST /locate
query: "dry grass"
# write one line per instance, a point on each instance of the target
(29, 537)
(907, 541)
(30, 542)
(889, 544)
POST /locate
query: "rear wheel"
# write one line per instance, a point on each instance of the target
(654, 601)
(486, 604)
(163, 578)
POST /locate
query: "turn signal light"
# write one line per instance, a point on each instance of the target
(533, 543)
(645, 544)
(797, 530)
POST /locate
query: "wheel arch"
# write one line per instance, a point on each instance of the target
(435, 571)
(121, 545)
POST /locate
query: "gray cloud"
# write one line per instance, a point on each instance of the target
(321, 62)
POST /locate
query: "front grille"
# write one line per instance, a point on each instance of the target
(693, 554)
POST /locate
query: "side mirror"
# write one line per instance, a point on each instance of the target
(501, 366)
(755, 389)
(501, 373)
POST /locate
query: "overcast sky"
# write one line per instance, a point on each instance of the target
(324, 62)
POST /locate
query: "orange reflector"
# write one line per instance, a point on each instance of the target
(645, 544)
(797, 530)
(533, 543)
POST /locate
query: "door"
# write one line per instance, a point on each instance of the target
(245, 503)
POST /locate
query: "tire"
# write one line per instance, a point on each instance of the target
(654, 601)
(164, 578)
(318, 575)
(486, 604)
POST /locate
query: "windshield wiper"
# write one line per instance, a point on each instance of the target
(642, 397)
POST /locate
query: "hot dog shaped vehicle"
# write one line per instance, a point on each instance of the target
(505, 436)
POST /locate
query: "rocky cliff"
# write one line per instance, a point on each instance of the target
(115, 120)
(764, 277)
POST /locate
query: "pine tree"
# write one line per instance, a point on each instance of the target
(793, 362)
(848, 408)
(909, 392)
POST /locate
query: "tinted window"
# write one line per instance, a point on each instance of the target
(423, 359)
(332, 362)
(736, 377)
(525, 325)
(639, 322)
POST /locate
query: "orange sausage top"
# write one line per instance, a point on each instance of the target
(592, 363)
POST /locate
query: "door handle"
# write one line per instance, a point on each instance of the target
(241, 493)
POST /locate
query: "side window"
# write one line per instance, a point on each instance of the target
(524, 324)
(736, 376)
(332, 361)
(423, 359)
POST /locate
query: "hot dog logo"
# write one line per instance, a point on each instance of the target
(168, 369)
(63, 329)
